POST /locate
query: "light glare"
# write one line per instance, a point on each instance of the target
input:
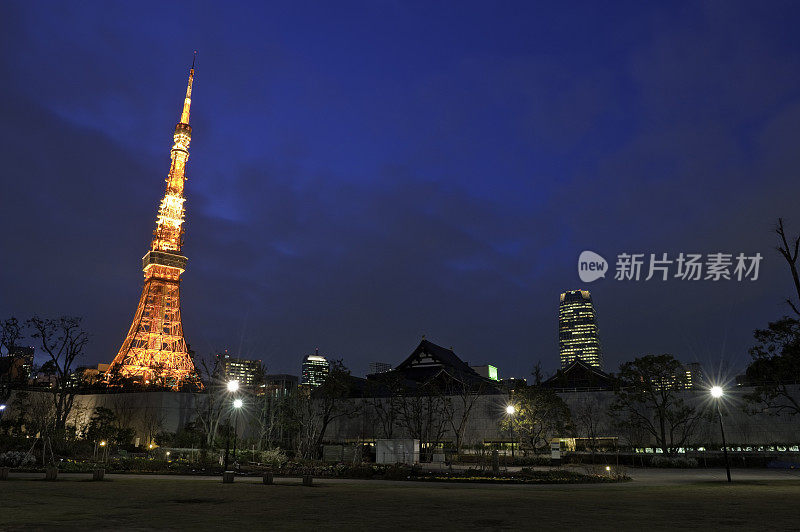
(716, 392)
(233, 386)
(237, 403)
(510, 410)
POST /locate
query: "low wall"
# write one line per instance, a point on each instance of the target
(151, 412)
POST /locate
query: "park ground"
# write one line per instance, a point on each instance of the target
(653, 500)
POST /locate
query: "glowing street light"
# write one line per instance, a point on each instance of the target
(511, 410)
(2, 407)
(233, 386)
(103, 443)
(717, 392)
(237, 404)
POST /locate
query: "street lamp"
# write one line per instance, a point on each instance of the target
(232, 386)
(717, 392)
(510, 410)
(103, 452)
(237, 404)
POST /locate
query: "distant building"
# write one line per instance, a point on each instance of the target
(578, 337)
(314, 370)
(17, 364)
(694, 375)
(280, 385)
(690, 378)
(379, 367)
(249, 373)
(487, 371)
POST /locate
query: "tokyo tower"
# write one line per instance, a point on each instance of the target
(154, 352)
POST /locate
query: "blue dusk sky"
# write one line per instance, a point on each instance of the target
(362, 174)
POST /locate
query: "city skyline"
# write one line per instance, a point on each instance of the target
(366, 195)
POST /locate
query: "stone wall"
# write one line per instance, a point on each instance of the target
(152, 412)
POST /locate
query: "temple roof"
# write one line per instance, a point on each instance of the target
(580, 376)
(433, 364)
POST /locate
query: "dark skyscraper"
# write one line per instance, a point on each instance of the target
(577, 329)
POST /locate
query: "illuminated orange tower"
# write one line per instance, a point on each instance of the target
(154, 351)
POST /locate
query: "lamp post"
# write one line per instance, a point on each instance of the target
(510, 410)
(717, 393)
(232, 387)
(237, 404)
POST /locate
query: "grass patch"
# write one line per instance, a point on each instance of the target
(200, 504)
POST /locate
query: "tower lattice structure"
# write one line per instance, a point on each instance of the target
(154, 350)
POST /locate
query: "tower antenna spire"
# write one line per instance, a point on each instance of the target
(187, 103)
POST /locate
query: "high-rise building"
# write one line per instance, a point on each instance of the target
(314, 370)
(154, 350)
(578, 336)
(249, 373)
(379, 367)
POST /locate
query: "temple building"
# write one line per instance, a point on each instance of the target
(433, 365)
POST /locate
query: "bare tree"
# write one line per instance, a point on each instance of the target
(587, 415)
(63, 341)
(153, 421)
(331, 401)
(789, 251)
(382, 396)
(458, 406)
(422, 412)
(209, 406)
(10, 334)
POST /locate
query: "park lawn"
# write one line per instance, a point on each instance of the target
(145, 503)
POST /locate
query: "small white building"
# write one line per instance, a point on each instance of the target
(397, 451)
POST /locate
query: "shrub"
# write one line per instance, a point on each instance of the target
(16, 459)
(273, 458)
